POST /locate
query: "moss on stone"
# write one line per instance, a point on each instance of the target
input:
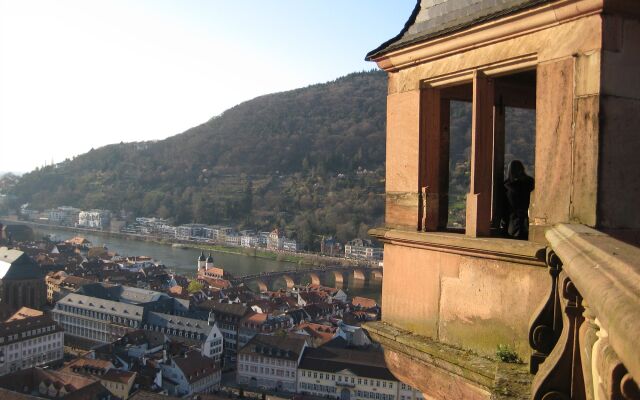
(502, 380)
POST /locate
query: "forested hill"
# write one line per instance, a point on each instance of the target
(309, 160)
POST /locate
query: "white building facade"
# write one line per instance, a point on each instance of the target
(249, 241)
(289, 245)
(192, 331)
(346, 385)
(270, 362)
(362, 250)
(97, 219)
(98, 320)
(349, 373)
(30, 342)
(64, 215)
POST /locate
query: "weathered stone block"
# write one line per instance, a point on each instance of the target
(403, 128)
(585, 161)
(554, 131)
(401, 209)
(411, 289)
(587, 74)
(490, 303)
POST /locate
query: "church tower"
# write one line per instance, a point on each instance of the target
(201, 262)
(209, 263)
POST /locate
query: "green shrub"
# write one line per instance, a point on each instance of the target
(507, 354)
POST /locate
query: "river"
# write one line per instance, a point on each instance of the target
(184, 260)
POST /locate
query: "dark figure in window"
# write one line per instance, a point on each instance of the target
(517, 189)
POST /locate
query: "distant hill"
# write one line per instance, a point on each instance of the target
(309, 160)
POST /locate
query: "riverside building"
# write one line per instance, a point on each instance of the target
(98, 219)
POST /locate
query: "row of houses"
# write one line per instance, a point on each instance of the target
(274, 240)
(68, 216)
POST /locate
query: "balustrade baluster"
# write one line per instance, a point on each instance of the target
(545, 328)
(560, 375)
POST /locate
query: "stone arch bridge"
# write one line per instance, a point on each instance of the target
(341, 274)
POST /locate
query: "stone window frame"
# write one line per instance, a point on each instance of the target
(487, 146)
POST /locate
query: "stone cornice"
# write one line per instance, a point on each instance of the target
(505, 28)
(517, 251)
(606, 272)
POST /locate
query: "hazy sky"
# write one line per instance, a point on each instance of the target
(81, 74)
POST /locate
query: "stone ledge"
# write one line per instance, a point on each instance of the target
(518, 251)
(438, 369)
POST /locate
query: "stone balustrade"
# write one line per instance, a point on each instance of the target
(585, 334)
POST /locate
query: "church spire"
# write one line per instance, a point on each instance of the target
(201, 262)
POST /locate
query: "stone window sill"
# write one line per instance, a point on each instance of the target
(519, 251)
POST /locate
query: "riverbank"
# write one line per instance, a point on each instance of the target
(182, 258)
(296, 258)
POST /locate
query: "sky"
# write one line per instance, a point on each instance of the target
(76, 75)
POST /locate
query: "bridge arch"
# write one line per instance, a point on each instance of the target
(314, 278)
(339, 277)
(359, 275)
(289, 281)
(262, 286)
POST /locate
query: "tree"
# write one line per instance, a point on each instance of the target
(163, 212)
(247, 199)
(194, 286)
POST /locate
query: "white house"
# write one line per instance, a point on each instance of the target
(270, 362)
(362, 249)
(289, 245)
(98, 219)
(275, 240)
(29, 342)
(337, 371)
(204, 334)
(249, 241)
